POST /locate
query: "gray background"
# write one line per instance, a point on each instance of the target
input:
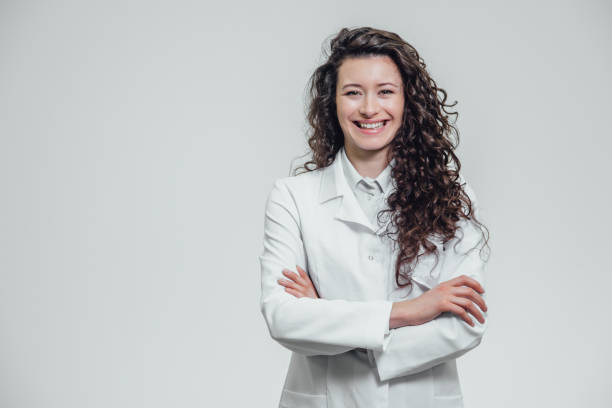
(139, 141)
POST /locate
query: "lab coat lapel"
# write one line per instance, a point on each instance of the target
(334, 184)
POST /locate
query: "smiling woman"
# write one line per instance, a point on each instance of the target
(372, 271)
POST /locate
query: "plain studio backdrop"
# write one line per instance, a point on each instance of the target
(139, 141)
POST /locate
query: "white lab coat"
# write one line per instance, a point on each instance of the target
(314, 220)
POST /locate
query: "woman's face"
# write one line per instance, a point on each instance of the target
(369, 102)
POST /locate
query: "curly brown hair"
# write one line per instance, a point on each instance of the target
(429, 198)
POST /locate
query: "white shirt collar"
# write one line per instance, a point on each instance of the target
(383, 180)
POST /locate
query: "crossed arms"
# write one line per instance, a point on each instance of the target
(316, 326)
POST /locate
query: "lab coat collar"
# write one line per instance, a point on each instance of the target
(334, 184)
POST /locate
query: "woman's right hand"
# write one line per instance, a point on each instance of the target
(459, 295)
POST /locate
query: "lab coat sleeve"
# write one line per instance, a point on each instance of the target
(305, 325)
(411, 349)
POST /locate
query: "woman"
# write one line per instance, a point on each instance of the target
(387, 289)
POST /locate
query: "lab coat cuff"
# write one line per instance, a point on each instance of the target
(382, 326)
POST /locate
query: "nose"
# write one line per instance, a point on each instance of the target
(369, 106)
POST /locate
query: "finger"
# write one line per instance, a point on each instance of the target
(467, 281)
(471, 294)
(287, 283)
(459, 311)
(469, 306)
(294, 292)
(293, 276)
(302, 273)
(464, 280)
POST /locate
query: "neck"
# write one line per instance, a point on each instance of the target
(368, 163)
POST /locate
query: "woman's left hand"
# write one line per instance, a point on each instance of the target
(299, 285)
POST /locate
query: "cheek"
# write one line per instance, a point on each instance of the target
(398, 109)
(342, 117)
(344, 109)
(401, 104)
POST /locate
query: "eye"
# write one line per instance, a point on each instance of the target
(387, 91)
(352, 93)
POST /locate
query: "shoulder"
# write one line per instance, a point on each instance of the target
(303, 181)
(469, 234)
(301, 184)
(299, 189)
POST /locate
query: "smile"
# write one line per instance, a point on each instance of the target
(371, 128)
(373, 125)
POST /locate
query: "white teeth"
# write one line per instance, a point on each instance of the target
(371, 125)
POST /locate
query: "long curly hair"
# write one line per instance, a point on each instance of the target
(429, 198)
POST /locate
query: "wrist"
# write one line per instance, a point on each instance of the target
(400, 314)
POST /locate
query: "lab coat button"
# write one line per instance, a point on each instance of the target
(370, 257)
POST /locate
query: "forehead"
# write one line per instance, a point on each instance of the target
(368, 69)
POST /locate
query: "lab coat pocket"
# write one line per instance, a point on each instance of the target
(447, 391)
(425, 274)
(446, 380)
(292, 399)
(423, 281)
(428, 271)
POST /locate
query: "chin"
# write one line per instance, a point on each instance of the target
(372, 144)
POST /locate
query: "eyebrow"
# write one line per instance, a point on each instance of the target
(381, 84)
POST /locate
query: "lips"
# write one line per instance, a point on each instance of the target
(371, 127)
